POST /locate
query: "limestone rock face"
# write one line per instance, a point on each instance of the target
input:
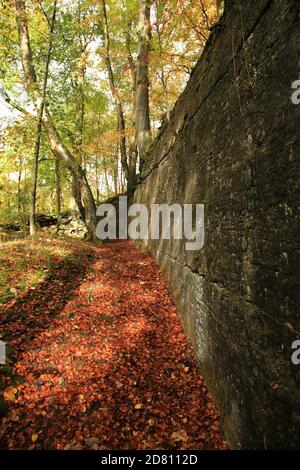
(233, 143)
(70, 226)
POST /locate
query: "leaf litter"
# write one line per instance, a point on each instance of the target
(99, 359)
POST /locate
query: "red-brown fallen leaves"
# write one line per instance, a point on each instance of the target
(100, 360)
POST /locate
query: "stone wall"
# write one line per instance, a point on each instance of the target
(232, 142)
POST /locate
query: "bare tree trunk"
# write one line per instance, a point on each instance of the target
(106, 177)
(143, 129)
(55, 141)
(162, 68)
(115, 94)
(116, 175)
(76, 207)
(79, 89)
(132, 148)
(39, 131)
(76, 189)
(32, 206)
(19, 187)
(97, 179)
(57, 186)
(130, 60)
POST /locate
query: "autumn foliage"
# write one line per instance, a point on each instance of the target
(97, 358)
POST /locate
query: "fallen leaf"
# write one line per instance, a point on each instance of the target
(90, 380)
(73, 446)
(139, 406)
(14, 417)
(178, 436)
(10, 394)
(61, 381)
(91, 441)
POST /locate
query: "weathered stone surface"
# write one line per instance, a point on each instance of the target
(70, 226)
(233, 142)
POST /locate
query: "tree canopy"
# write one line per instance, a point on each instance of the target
(101, 80)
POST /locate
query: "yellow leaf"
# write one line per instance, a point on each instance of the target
(34, 437)
(179, 436)
(139, 406)
(9, 394)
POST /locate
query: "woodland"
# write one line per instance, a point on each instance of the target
(159, 117)
(85, 87)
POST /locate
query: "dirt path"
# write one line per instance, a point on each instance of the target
(100, 361)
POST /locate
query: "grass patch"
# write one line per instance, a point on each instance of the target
(25, 264)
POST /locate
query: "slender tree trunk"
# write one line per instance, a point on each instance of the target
(73, 208)
(79, 89)
(19, 187)
(32, 207)
(116, 175)
(130, 60)
(118, 104)
(132, 148)
(76, 207)
(115, 94)
(78, 145)
(161, 65)
(97, 179)
(106, 177)
(39, 131)
(57, 186)
(55, 141)
(143, 129)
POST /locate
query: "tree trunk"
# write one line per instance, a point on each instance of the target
(143, 129)
(32, 225)
(78, 145)
(106, 180)
(76, 207)
(132, 148)
(97, 179)
(162, 68)
(55, 141)
(19, 187)
(57, 186)
(116, 178)
(115, 94)
(32, 207)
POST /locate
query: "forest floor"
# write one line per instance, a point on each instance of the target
(97, 358)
